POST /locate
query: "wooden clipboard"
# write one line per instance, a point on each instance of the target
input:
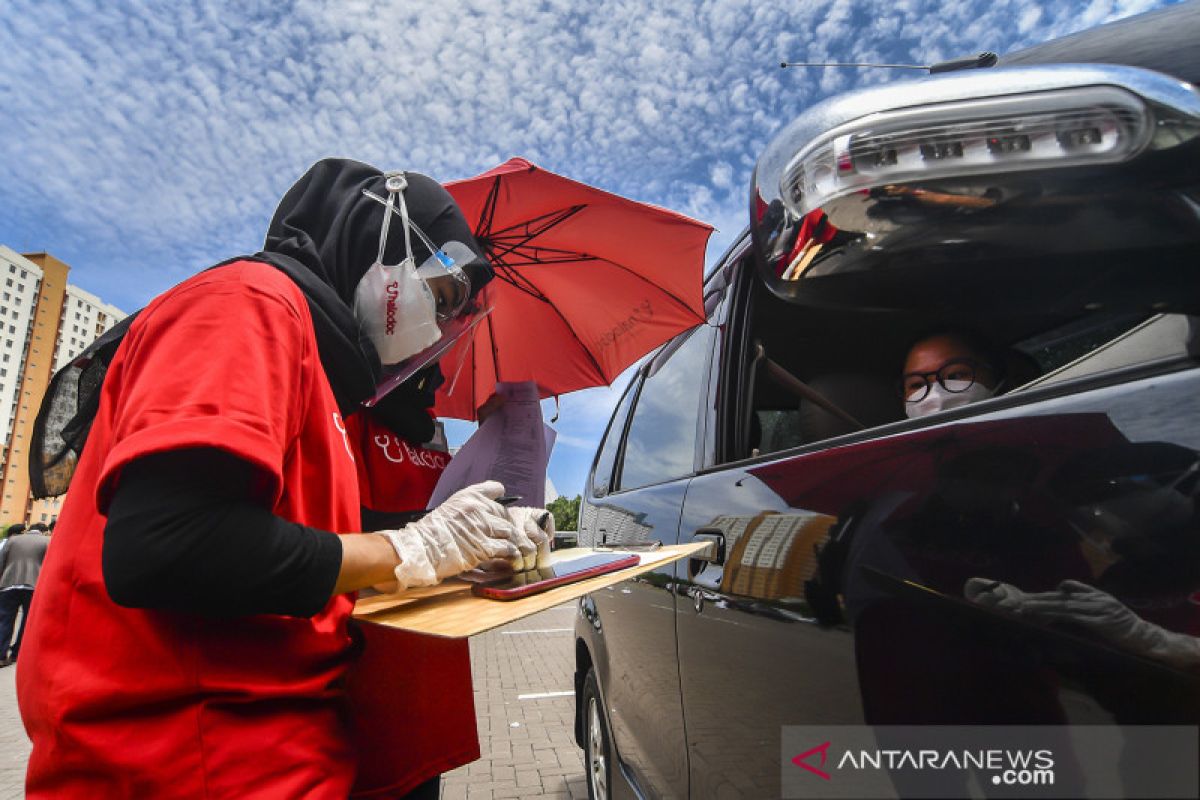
(450, 609)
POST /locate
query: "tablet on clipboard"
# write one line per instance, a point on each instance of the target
(529, 582)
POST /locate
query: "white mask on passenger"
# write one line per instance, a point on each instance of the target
(393, 305)
(940, 399)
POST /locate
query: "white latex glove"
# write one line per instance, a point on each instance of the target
(468, 528)
(535, 551)
(1099, 612)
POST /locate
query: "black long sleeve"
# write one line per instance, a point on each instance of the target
(184, 534)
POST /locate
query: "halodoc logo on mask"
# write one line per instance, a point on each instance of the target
(988, 761)
(393, 291)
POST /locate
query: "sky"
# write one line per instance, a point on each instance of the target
(144, 141)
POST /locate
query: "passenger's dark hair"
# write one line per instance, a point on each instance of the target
(976, 342)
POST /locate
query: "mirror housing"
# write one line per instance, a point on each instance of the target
(1024, 168)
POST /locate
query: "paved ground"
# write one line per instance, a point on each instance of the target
(525, 706)
(524, 701)
(14, 747)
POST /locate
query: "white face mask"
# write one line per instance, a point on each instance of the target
(940, 399)
(393, 305)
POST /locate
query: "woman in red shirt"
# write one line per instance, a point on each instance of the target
(189, 637)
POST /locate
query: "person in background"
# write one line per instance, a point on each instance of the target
(20, 563)
(7, 622)
(947, 370)
(198, 597)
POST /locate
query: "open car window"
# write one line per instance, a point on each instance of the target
(816, 374)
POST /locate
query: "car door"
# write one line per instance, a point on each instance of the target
(636, 658)
(753, 654)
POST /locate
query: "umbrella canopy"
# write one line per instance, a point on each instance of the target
(586, 283)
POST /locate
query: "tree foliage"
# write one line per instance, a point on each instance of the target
(566, 513)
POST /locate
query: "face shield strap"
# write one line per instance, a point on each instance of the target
(451, 265)
(395, 185)
(447, 260)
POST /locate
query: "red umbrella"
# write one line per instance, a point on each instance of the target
(586, 283)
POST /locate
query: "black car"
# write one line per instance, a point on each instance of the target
(1050, 205)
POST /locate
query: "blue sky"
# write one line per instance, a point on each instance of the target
(144, 141)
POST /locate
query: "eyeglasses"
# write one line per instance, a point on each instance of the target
(953, 376)
(443, 272)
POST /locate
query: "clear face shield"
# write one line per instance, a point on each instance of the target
(413, 314)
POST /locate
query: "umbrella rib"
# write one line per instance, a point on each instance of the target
(489, 213)
(548, 255)
(527, 234)
(552, 218)
(514, 279)
(575, 336)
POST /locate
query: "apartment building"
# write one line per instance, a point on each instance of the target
(44, 322)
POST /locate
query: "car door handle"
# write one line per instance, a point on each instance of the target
(715, 553)
(699, 596)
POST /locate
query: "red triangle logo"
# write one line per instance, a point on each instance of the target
(823, 749)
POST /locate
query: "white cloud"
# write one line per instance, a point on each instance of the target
(722, 175)
(144, 141)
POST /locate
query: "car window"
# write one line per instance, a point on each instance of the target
(607, 457)
(800, 357)
(1079, 351)
(661, 443)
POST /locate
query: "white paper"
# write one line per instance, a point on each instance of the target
(511, 446)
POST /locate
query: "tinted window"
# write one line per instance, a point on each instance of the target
(612, 440)
(661, 444)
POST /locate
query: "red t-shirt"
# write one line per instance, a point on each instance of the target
(134, 703)
(393, 474)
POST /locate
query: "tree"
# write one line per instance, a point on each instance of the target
(566, 513)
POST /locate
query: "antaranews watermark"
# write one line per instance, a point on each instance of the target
(990, 761)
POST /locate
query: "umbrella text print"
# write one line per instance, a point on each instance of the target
(643, 312)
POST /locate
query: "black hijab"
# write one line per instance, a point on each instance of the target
(325, 236)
